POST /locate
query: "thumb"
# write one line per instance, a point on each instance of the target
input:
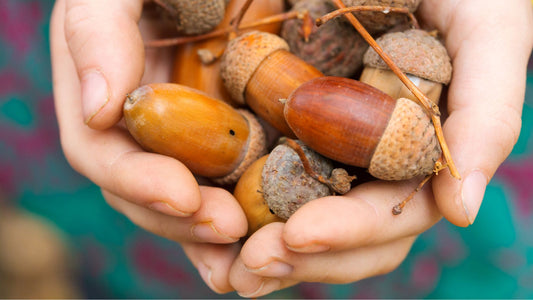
(485, 102)
(107, 49)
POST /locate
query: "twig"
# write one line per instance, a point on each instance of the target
(376, 8)
(220, 32)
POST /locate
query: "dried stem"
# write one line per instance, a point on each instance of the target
(332, 184)
(397, 209)
(431, 108)
(382, 9)
(237, 20)
(223, 31)
(439, 166)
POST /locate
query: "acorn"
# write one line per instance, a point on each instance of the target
(379, 22)
(258, 70)
(249, 194)
(195, 16)
(335, 48)
(279, 183)
(356, 124)
(417, 53)
(191, 71)
(209, 136)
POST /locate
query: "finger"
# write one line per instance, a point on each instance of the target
(485, 99)
(213, 263)
(251, 285)
(107, 49)
(266, 265)
(219, 220)
(111, 158)
(360, 218)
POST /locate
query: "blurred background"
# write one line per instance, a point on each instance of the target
(59, 239)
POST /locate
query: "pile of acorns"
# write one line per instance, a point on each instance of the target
(322, 86)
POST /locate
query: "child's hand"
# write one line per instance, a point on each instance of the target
(97, 57)
(348, 238)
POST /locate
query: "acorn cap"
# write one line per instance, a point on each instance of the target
(242, 57)
(409, 147)
(256, 148)
(415, 52)
(335, 48)
(286, 184)
(197, 16)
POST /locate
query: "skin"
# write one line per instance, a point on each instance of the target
(484, 106)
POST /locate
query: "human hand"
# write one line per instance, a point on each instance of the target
(355, 236)
(98, 57)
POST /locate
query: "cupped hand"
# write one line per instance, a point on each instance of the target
(355, 236)
(98, 56)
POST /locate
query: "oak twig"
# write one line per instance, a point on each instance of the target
(223, 31)
(377, 8)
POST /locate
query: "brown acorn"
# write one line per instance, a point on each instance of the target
(335, 48)
(258, 70)
(207, 135)
(354, 123)
(189, 69)
(195, 16)
(379, 22)
(418, 54)
(249, 194)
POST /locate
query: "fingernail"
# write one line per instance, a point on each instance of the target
(207, 232)
(166, 209)
(94, 94)
(273, 269)
(207, 274)
(266, 287)
(472, 192)
(311, 248)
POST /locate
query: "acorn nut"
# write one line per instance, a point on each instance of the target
(418, 54)
(258, 70)
(191, 71)
(334, 48)
(207, 135)
(354, 123)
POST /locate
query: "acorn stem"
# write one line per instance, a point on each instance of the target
(397, 209)
(331, 184)
(439, 166)
(237, 20)
(377, 8)
(431, 108)
(278, 18)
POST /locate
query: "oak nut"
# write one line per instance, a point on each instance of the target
(190, 70)
(258, 70)
(417, 53)
(335, 48)
(354, 123)
(248, 192)
(377, 22)
(210, 137)
(195, 16)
